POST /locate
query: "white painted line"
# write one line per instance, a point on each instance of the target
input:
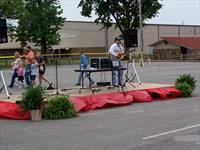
(173, 131)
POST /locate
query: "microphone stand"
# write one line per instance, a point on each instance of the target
(56, 70)
(57, 76)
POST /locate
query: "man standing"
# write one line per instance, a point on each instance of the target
(83, 65)
(115, 51)
(28, 55)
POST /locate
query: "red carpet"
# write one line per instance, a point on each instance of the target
(85, 103)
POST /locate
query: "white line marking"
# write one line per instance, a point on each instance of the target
(173, 131)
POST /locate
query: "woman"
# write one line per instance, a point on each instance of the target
(15, 66)
(41, 68)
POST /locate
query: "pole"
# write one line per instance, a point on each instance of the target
(57, 76)
(141, 33)
(106, 39)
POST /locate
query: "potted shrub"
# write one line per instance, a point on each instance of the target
(59, 107)
(187, 78)
(185, 84)
(184, 88)
(32, 101)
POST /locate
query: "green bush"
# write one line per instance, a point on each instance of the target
(32, 98)
(188, 79)
(184, 88)
(59, 108)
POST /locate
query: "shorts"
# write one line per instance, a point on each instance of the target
(33, 77)
(42, 71)
(20, 78)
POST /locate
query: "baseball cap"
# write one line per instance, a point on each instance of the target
(118, 38)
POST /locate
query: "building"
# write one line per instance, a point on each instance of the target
(89, 36)
(176, 46)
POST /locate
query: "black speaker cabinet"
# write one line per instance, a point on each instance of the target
(100, 63)
(130, 38)
(3, 31)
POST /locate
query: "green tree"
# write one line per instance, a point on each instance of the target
(11, 9)
(40, 23)
(125, 13)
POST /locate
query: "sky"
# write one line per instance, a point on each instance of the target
(185, 12)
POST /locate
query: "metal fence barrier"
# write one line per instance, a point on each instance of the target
(63, 59)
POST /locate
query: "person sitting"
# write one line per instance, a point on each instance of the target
(83, 65)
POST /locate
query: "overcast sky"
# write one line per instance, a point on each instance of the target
(173, 12)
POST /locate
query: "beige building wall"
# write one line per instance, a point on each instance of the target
(81, 34)
(187, 31)
(77, 34)
(150, 35)
(197, 31)
(168, 31)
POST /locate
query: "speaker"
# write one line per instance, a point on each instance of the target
(3, 31)
(130, 38)
(103, 83)
(100, 63)
(94, 63)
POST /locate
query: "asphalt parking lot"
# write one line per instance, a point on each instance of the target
(161, 125)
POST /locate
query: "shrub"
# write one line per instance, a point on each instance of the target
(188, 79)
(32, 98)
(59, 108)
(184, 88)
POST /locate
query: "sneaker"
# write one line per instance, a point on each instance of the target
(92, 83)
(10, 86)
(115, 85)
(50, 84)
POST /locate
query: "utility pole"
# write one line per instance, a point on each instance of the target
(141, 33)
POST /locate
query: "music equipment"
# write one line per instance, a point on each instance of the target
(130, 38)
(100, 63)
(3, 31)
(120, 56)
(103, 83)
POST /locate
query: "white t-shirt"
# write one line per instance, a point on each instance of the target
(116, 49)
(34, 69)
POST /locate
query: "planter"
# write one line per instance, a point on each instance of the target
(36, 115)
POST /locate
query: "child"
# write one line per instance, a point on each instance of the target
(34, 71)
(20, 74)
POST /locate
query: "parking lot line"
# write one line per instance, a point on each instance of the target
(173, 131)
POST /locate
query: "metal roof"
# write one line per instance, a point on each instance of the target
(187, 42)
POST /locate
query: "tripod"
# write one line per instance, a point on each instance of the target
(130, 79)
(4, 86)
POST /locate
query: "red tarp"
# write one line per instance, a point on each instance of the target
(9, 110)
(85, 103)
(163, 93)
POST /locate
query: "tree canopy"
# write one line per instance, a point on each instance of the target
(38, 21)
(11, 9)
(125, 13)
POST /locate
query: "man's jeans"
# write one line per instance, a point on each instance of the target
(28, 74)
(81, 76)
(117, 76)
